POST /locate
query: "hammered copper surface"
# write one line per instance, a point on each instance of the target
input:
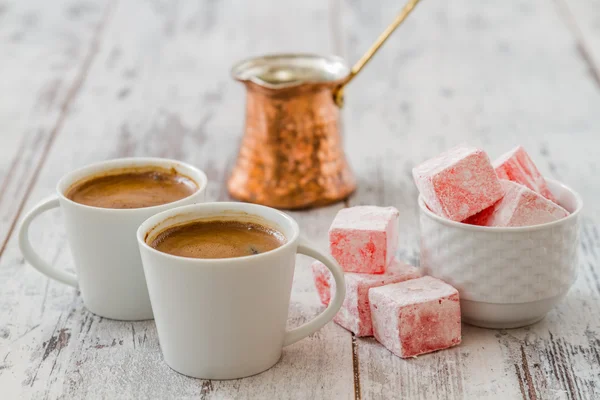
(291, 154)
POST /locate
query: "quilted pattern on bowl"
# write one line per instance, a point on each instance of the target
(501, 267)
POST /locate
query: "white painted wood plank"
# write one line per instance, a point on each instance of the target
(45, 50)
(492, 74)
(160, 86)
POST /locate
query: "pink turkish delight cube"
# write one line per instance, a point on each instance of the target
(520, 206)
(355, 314)
(364, 238)
(458, 183)
(517, 166)
(416, 317)
(323, 281)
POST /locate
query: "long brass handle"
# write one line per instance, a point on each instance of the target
(338, 93)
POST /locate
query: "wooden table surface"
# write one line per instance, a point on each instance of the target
(83, 81)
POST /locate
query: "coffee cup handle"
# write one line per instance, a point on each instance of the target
(319, 321)
(31, 255)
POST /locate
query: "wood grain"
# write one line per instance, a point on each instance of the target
(57, 63)
(94, 80)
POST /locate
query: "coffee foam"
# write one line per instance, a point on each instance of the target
(128, 188)
(217, 239)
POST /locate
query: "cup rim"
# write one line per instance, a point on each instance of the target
(508, 229)
(200, 179)
(223, 206)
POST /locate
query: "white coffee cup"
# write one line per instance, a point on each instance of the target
(103, 243)
(226, 318)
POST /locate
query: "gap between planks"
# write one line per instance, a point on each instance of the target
(337, 44)
(582, 48)
(526, 384)
(356, 368)
(64, 109)
(355, 360)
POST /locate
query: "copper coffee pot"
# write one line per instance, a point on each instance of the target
(291, 155)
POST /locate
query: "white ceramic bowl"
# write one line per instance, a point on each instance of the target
(507, 277)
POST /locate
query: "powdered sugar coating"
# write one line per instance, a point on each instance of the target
(364, 217)
(520, 206)
(364, 238)
(355, 314)
(517, 166)
(322, 278)
(458, 183)
(416, 316)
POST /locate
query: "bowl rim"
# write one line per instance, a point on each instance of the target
(511, 229)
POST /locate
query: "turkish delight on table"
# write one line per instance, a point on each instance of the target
(355, 314)
(415, 317)
(458, 183)
(364, 238)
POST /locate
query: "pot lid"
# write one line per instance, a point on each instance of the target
(286, 70)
